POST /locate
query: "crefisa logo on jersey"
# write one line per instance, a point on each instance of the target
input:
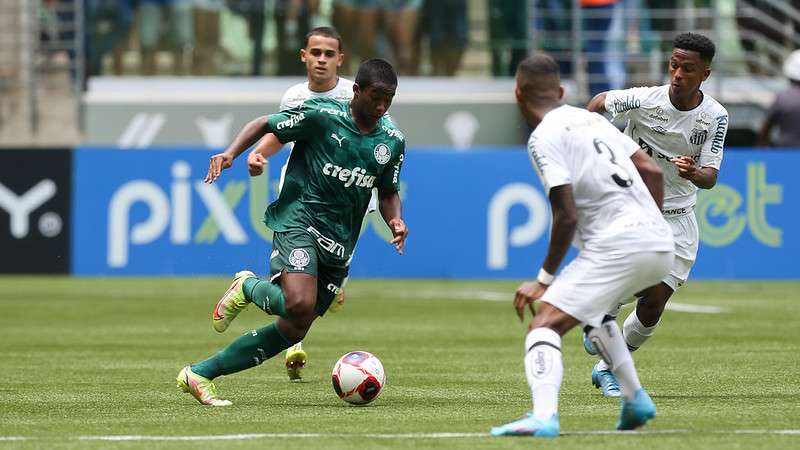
(382, 153)
(293, 120)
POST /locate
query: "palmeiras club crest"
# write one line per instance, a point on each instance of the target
(382, 153)
(299, 258)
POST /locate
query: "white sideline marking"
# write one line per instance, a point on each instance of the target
(685, 307)
(228, 437)
(250, 436)
(494, 296)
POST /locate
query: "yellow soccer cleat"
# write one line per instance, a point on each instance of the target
(231, 303)
(295, 362)
(200, 387)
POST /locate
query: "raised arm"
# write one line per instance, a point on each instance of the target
(598, 103)
(249, 135)
(702, 177)
(267, 146)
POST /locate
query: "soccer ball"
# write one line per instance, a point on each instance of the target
(358, 377)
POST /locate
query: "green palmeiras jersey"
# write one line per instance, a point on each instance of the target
(331, 173)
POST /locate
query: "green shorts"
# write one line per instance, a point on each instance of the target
(298, 252)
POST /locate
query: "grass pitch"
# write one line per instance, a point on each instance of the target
(88, 360)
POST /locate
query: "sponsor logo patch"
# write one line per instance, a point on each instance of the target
(626, 104)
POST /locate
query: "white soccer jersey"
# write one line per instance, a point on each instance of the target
(665, 132)
(297, 94)
(616, 213)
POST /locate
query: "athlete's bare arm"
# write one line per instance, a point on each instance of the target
(392, 211)
(702, 177)
(267, 146)
(565, 221)
(249, 135)
(598, 103)
(651, 175)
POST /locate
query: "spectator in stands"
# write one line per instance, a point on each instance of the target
(785, 111)
(357, 21)
(254, 14)
(402, 18)
(553, 28)
(604, 66)
(207, 49)
(292, 23)
(108, 23)
(508, 35)
(175, 16)
(361, 23)
(447, 26)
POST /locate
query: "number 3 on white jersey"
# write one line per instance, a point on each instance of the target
(619, 175)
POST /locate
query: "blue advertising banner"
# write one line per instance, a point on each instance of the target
(476, 214)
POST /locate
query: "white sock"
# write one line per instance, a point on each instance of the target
(544, 370)
(609, 343)
(601, 365)
(635, 332)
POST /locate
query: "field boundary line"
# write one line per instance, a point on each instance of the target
(429, 435)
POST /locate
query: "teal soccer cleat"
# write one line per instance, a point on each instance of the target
(528, 426)
(587, 345)
(636, 412)
(606, 382)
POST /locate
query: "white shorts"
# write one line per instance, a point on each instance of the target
(687, 237)
(593, 282)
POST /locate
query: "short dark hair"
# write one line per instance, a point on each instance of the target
(374, 71)
(696, 43)
(537, 65)
(324, 32)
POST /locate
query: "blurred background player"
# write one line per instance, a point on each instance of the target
(601, 188)
(784, 114)
(342, 150)
(683, 129)
(323, 55)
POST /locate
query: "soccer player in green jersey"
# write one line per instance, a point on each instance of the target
(322, 54)
(342, 150)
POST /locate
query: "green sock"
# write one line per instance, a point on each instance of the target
(266, 295)
(247, 351)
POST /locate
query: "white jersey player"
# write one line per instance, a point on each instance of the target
(683, 130)
(605, 194)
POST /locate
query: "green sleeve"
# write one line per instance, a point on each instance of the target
(295, 124)
(390, 179)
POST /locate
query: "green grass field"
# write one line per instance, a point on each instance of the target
(87, 359)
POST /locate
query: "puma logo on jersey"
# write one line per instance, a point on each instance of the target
(337, 138)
